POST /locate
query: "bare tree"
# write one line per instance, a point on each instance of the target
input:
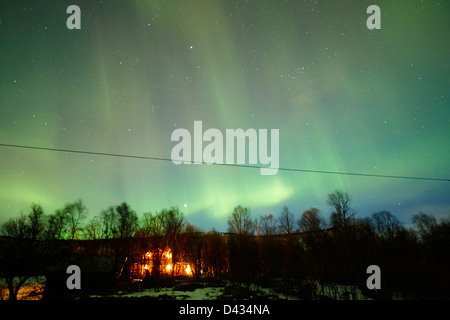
(127, 222)
(311, 221)
(108, 219)
(93, 230)
(152, 233)
(241, 222)
(193, 242)
(16, 228)
(76, 212)
(216, 257)
(386, 223)
(151, 225)
(242, 247)
(36, 224)
(124, 228)
(172, 223)
(57, 225)
(23, 253)
(268, 225)
(342, 214)
(425, 224)
(286, 220)
(161, 231)
(165, 223)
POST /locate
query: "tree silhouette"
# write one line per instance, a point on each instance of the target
(268, 225)
(23, 250)
(125, 228)
(342, 214)
(425, 225)
(93, 230)
(75, 213)
(152, 233)
(311, 221)
(192, 248)
(434, 243)
(286, 221)
(216, 255)
(386, 223)
(108, 219)
(240, 221)
(172, 223)
(301, 264)
(242, 247)
(161, 231)
(57, 225)
(127, 222)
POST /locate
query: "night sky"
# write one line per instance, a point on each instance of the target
(344, 98)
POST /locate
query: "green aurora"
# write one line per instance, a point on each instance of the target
(344, 98)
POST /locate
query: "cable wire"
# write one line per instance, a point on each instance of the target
(223, 164)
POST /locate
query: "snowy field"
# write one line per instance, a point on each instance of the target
(335, 292)
(207, 293)
(34, 287)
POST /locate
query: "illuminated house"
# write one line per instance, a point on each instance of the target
(159, 261)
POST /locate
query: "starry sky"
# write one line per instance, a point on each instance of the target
(344, 98)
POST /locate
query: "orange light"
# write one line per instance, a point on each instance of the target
(188, 270)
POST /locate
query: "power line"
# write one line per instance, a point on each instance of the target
(222, 164)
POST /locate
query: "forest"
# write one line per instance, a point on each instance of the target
(299, 256)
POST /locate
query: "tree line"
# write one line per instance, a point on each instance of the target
(302, 256)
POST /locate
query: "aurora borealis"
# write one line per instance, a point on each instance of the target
(344, 98)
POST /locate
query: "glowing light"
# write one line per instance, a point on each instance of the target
(188, 269)
(167, 266)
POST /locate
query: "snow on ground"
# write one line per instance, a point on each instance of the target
(206, 293)
(335, 292)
